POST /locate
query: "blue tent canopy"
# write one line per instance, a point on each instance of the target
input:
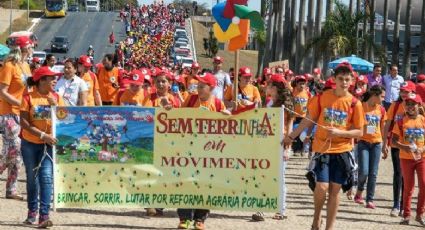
(359, 65)
(4, 51)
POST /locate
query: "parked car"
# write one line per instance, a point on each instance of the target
(60, 43)
(40, 54)
(13, 36)
(185, 40)
(73, 8)
(186, 62)
(179, 44)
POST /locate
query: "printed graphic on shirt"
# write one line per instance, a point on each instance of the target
(414, 135)
(302, 102)
(398, 117)
(336, 117)
(372, 120)
(41, 112)
(192, 88)
(129, 104)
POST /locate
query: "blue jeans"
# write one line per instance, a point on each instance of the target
(41, 184)
(369, 157)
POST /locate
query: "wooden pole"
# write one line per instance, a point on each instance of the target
(236, 80)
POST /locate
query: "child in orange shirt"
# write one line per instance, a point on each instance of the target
(162, 97)
(133, 95)
(93, 96)
(301, 97)
(37, 142)
(409, 138)
(248, 94)
(340, 119)
(370, 144)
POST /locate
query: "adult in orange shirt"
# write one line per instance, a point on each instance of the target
(133, 95)
(108, 79)
(409, 137)
(248, 94)
(420, 86)
(12, 87)
(93, 96)
(370, 144)
(396, 111)
(162, 97)
(37, 142)
(340, 120)
(301, 97)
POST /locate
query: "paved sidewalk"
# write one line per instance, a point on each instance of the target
(5, 17)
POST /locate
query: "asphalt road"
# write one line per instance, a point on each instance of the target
(82, 29)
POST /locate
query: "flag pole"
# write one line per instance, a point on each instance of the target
(236, 80)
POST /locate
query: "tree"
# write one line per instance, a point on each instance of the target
(421, 57)
(371, 30)
(318, 31)
(396, 35)
(407, 48)
(338, 37)
(366, 11)
(279, 32)
(310, 33)
(384, 41)
(350, 7)
(213, 44)
(260, 38)
(269, 35)
(299, 58)
(206, 47)
(287, 36)
(293, 33)
(358, 10)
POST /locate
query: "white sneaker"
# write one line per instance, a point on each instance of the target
(394, 212)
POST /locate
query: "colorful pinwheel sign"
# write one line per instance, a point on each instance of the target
(234, 20)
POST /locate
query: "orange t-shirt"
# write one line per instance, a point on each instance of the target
(251, 93)
(106, 79)
(374, 119)
(10, 75)
(413, 132)
(191, 85)
(39, 115)
(205, 105)
(93, 85)
(301, 99)
(335, 112)
(395, 115)
(129, 98)
(155, 101)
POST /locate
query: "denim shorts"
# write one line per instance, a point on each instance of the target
(332, 170)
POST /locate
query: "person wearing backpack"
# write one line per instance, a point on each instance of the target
(409, 137)
(370, 144)
(36, 145)
(339, 118)
(395, 113)
(93, 95)
(205, 101)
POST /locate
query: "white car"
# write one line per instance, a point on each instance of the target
(183, 40)
(40, 54)
(186, 62)
(58, 68)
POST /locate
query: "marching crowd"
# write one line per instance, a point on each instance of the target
(348, 120)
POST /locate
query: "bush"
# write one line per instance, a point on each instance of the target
(33, 4)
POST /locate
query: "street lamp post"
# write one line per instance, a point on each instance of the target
(28, 11)
(10, 18)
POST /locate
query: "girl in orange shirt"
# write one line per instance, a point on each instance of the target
(133, 95)
(12, 87)
(162, 97)
(84, 65)
(37, 142)
(370, 144)
(409, 137)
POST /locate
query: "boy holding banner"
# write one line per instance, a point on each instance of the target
(206, 101)
(339, 119)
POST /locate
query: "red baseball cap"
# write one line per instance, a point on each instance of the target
(218, 59)
(277, 78)
(359, 92)
(43, 71)
(136, 77)
(414, 97)
(179, 79)
(300, 78)
(421, 77)
(308, 76)
(408, 86)
(317, 71)
(145, 71)
(289, 72)
(267, 71)
(208, 79)
(85, 61)
(345, 64)
(330, 83)
(23, 42)
(156, 71)
(362, 78)
(245, 72)
(195, 65)
(35, 60)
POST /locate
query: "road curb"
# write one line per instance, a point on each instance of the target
(35, 21)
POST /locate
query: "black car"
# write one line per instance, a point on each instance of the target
(73, 8)
(60, 43)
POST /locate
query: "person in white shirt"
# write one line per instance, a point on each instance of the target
(70, 87)
(223, 78)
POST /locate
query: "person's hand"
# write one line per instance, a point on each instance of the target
(385, 152)
(48, 139)
(285, 155)
(306, 140)
(52, 101)
(164, 102)
(286, 141)
(226, 112)
(246, 102)
(115, 85)
(168, 107)
(333, 132)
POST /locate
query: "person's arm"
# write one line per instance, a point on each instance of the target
(25, 124)
(7, 96)
(396, 142)
(305, 123)
(385, 133)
